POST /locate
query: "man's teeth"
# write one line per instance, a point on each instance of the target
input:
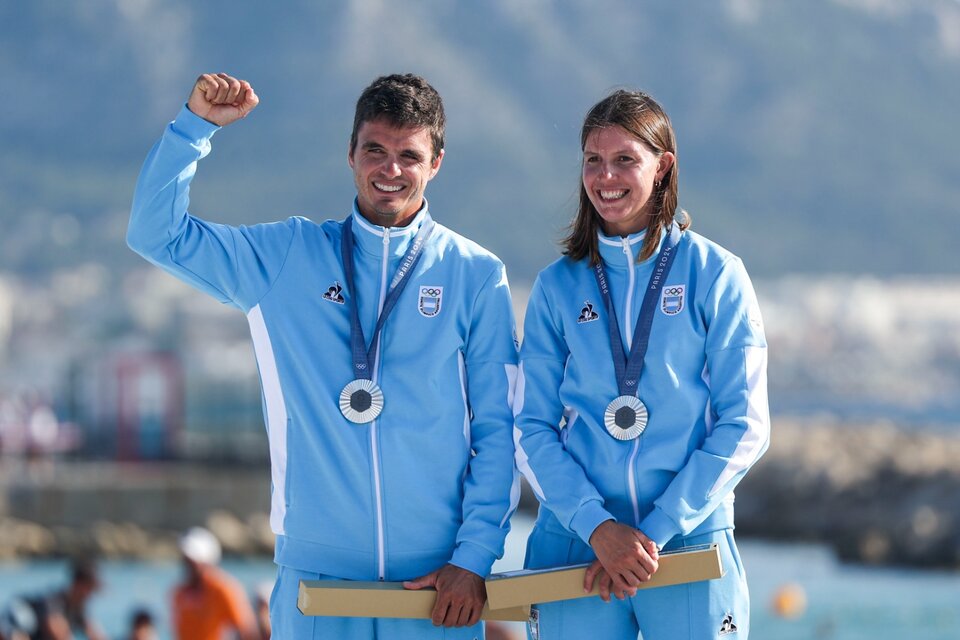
(613, 195)
(386, 187)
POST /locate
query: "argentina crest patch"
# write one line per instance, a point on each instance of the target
(671, 300)
(431, 299)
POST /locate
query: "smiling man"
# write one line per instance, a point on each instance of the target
(385, 346)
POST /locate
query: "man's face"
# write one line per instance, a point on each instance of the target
(391, 168)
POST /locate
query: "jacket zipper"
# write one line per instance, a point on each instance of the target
(374, 445)
(628, 325)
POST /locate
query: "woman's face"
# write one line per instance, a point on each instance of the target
(619, 172)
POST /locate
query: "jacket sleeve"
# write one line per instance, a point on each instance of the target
(558, 480)
(738, 427)
(234, 264)
(491, 485)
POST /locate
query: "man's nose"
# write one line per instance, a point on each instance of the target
(392, 168)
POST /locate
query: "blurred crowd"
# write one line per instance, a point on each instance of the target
(205, 605)
(29, 427)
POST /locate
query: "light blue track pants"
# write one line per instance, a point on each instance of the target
(697, 610)
(289, 624)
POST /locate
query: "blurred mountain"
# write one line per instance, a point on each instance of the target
(814, 136)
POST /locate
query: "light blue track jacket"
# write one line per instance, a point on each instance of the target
(430, 481)
(703, 382)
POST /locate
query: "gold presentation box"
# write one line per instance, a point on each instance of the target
(509, 595)
(537, 586)
(357, 599)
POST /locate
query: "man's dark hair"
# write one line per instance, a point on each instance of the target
(404, 101)
(141, 618)
(84, 571)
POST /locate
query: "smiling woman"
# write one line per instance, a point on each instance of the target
(637, 416)
(620, 174)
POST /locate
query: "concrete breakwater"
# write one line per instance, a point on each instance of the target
(876, 493)
(130, 511)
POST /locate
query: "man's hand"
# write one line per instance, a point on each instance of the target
(222, 99)
(626, 554)
(461, 595)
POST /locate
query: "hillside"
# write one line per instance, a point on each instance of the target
(815, 137)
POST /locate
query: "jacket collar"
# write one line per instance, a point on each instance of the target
(368, 237)
(613, 248)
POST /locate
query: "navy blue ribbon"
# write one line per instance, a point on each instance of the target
(629, 369)
(363, 357)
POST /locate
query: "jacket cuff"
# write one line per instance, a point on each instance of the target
(659, 527)
(590, 516)
(193, 127)
(473, 557)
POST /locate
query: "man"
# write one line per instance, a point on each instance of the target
(208, 603)
(62, 615)
(387, 357)
(142, 626)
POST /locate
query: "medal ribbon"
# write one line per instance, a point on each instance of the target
(629, 369)
(362, 357)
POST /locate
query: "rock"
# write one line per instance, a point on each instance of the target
(21, 538)
(878, 494)
(232, 533)
(261, 533)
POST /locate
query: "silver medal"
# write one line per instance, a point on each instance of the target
(625, 417)
(361, 401)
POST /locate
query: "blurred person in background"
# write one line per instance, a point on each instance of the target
(209, 602)
(61, 615)
(387, 406)
(642, 396)
(142, 626)
(17, 620)
(261, 609)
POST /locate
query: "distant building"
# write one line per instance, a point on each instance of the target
(130, 404)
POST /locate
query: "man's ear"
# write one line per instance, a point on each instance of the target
(435, 165)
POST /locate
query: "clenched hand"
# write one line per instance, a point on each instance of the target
(222, 99)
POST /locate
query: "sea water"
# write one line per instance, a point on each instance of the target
(842, 602)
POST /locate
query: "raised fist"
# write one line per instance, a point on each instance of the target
(222, 99)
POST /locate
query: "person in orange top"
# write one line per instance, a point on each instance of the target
(208, 602)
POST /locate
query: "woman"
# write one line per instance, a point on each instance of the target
(642, 399)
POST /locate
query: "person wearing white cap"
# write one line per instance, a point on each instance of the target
(209, 601)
